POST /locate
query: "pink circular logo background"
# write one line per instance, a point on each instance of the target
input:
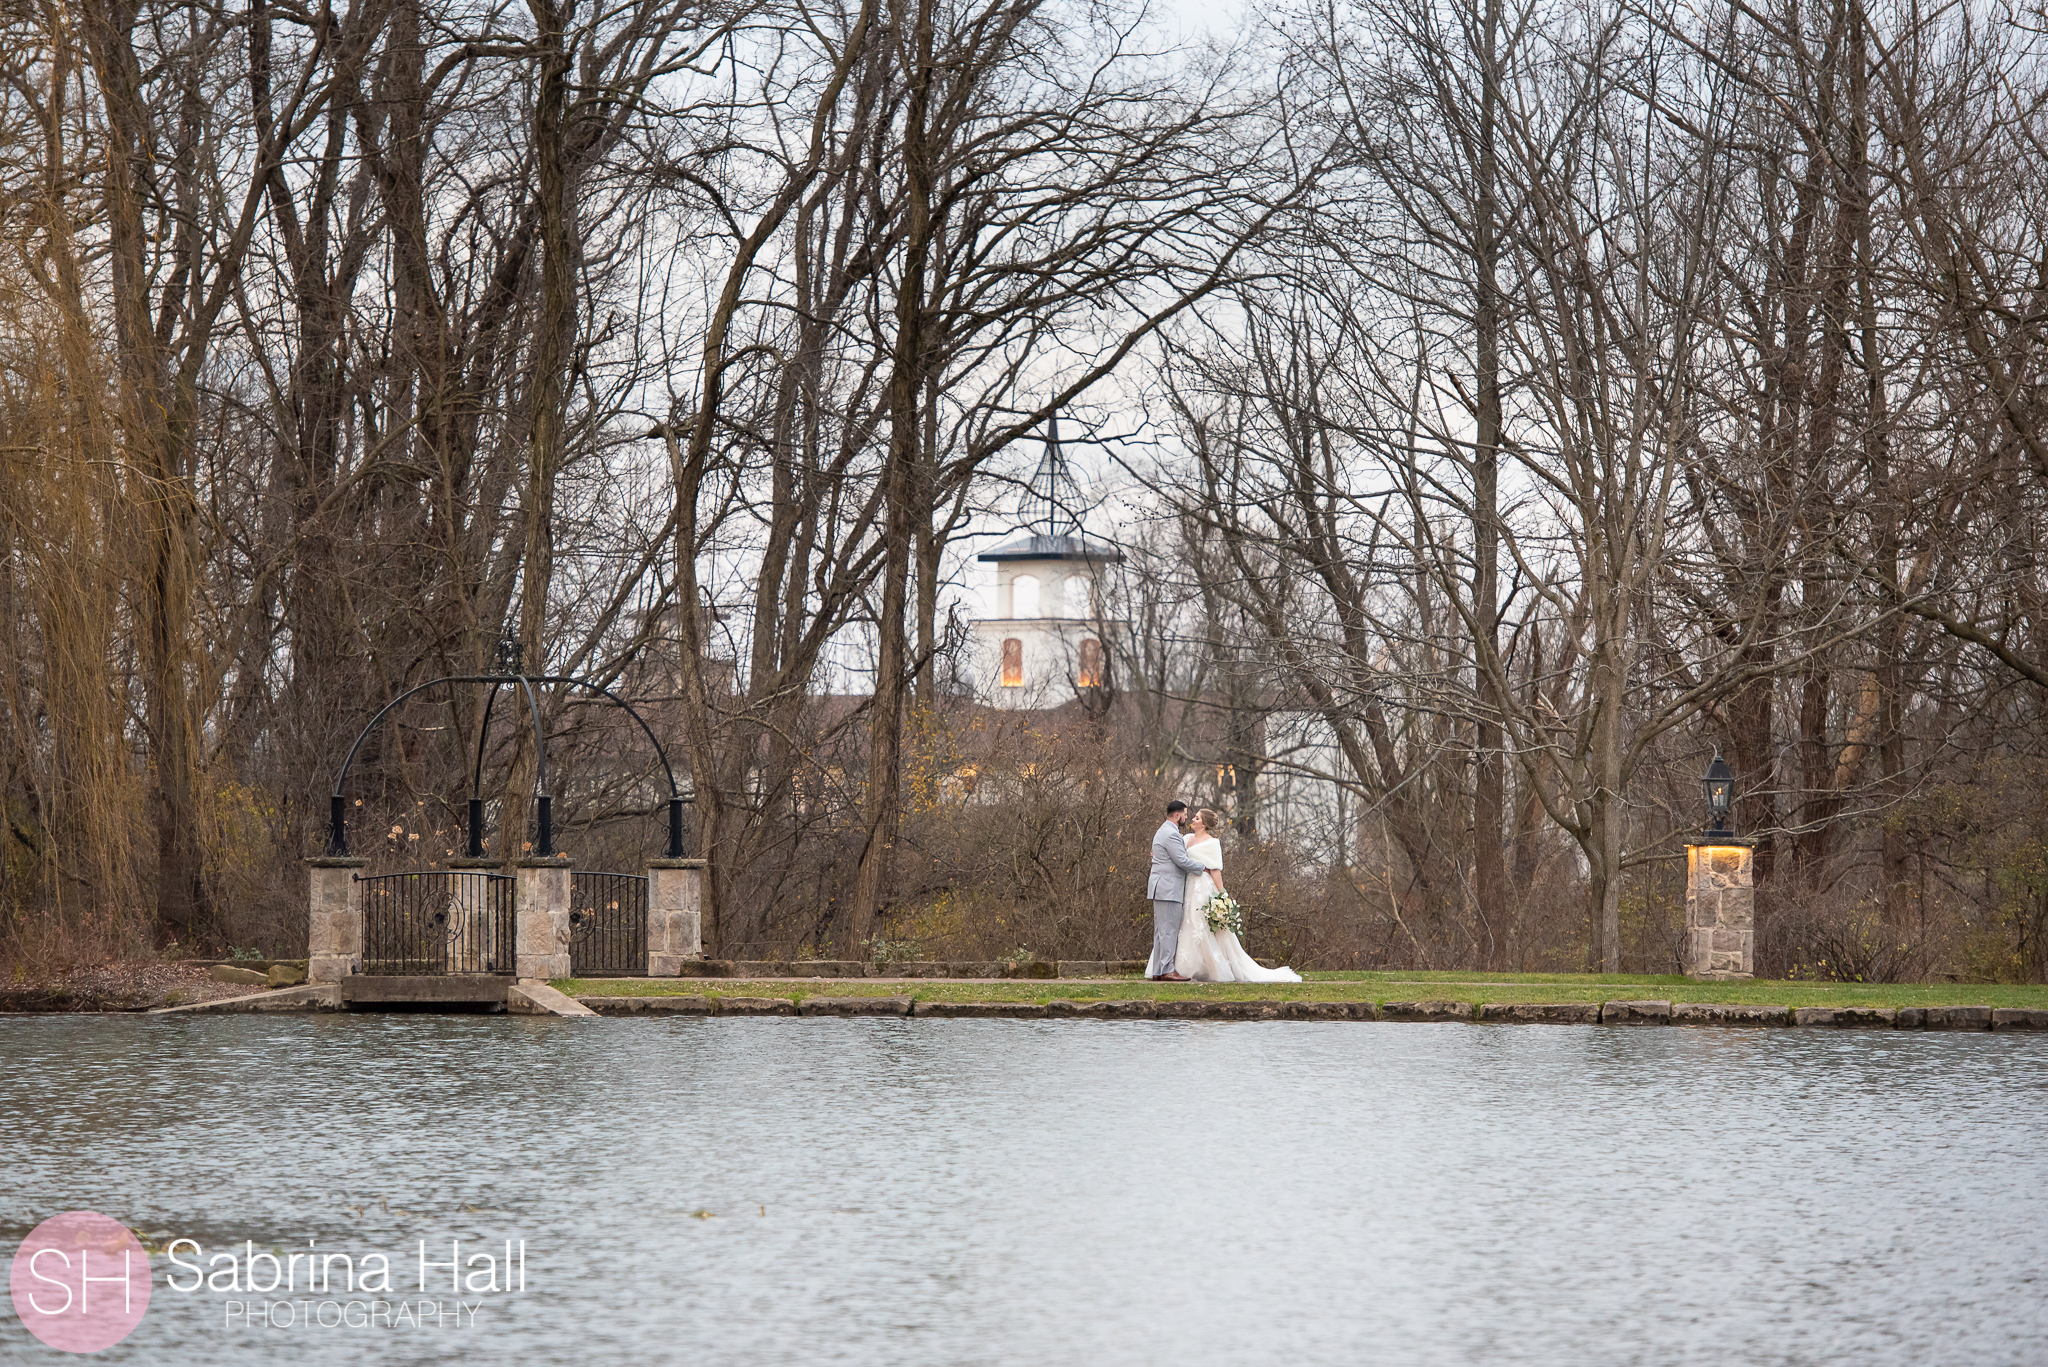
(80, 1281)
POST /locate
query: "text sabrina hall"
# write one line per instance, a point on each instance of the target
(330, 1290)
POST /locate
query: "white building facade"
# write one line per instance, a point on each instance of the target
(1047, 639)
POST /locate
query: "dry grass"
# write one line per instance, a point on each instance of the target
(122, 985)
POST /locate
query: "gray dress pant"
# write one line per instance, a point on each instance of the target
(1165, 934)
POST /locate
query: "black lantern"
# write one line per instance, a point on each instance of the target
(1718, 783)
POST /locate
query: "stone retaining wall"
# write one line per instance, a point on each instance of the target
(371, 993)
(1637, 1013)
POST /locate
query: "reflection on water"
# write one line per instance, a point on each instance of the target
(953, 1192)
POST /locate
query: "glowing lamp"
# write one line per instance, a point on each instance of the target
(1718, 783)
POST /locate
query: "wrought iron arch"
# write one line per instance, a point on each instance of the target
(337, 822)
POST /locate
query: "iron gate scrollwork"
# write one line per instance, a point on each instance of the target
(442, 921)
(608, 925)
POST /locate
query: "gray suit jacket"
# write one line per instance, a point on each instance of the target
(1171, 864)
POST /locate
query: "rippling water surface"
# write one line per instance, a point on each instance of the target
(961, 1192)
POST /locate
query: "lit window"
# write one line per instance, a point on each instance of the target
(1090, 673)
(1013, 663)
(1024, 596)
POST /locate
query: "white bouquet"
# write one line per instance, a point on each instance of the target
(1223, 913)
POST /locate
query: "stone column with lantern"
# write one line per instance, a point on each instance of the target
(1720, 909)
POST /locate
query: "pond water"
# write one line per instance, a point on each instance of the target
(963, 1192)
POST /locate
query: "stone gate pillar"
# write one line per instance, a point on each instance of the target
(475, 946)
(334, 919)
(675, 923)
(541, 918)
(1720, 910)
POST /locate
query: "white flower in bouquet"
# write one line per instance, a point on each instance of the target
(1225, 914)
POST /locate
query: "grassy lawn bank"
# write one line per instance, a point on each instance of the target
(1376, 987)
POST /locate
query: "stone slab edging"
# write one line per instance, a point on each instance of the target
(855, 1006)
(538, 999)
(1542, 1013)
(1631, 1013)
(311, 997)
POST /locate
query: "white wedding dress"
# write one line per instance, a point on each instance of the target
(1214, 956)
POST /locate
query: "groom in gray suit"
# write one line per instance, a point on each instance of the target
(1171, 866)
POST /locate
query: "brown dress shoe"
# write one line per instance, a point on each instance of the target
(1173, 978)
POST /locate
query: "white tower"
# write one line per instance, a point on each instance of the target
(1047, 640)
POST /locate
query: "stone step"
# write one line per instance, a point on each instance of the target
(452, 988)
(538, 999)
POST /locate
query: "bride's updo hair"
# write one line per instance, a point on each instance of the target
(1211, 822)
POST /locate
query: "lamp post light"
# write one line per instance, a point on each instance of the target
(1720, 911)
(1718, 783)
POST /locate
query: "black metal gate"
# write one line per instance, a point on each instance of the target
(443, 921)
(608, 925)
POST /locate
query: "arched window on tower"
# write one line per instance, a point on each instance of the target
(1080, 596)
(1089, 675)
(1013, 663)
(1024, 596)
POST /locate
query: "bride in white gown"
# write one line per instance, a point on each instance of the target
(1213, 956)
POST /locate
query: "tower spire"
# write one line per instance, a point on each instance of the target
(1047, 507)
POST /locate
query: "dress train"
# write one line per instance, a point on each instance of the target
(1215, 956)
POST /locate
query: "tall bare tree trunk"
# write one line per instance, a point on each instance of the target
(884, 805)
(1608, 811)
(553, 337)
(1489, 799)
(689, 461)
(156, 412)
